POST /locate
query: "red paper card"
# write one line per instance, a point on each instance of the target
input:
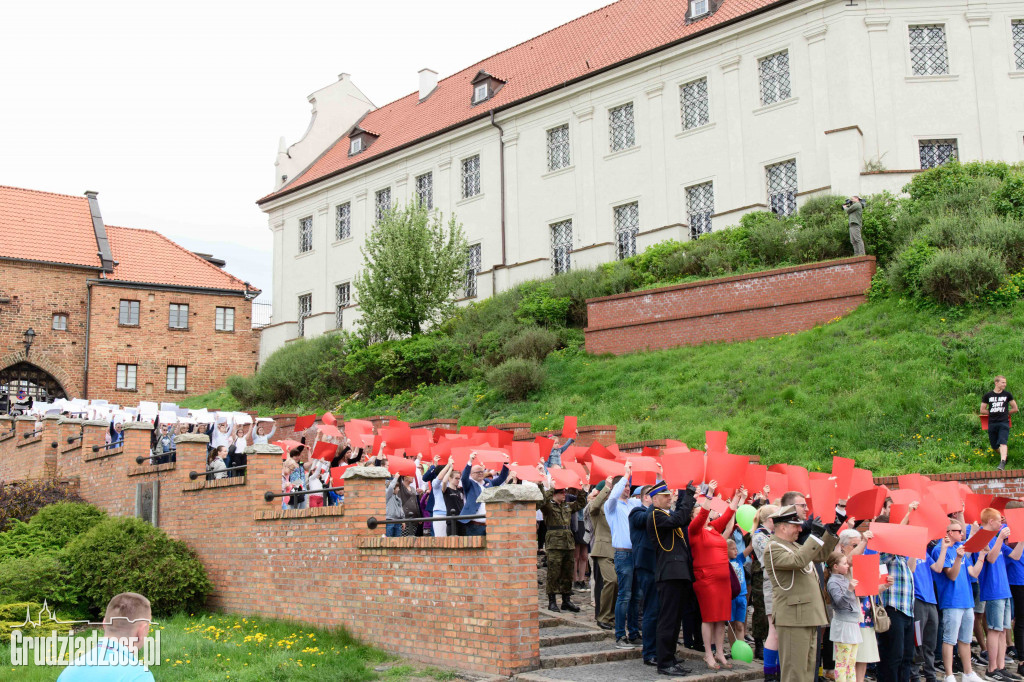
(358, 425)
(329, 430)
(324, 450)
(865, 571)
(304, 422)
(979, 539)
(680, 468)
(973, 506)
(565, 478)
(578, 469)
(917, 482)
(669, 443)
(398, 424)
(778, 468)
(777, 484)
(755, 477)
(377, 443)
(598, 450)
(716, 441)
(728, 470)
(984, 422)
(898, 510)
(799, 480)
(526, 473)
(823, 499)
(819, 475)
(603, 468)
(336, 475)
(401, 466)
(471, 430)
(904, 496)
(329, 419)
(931, 516)
(419, 444)
(1015, 520)
(526, 454)
(396, 437)
(569, 427)
(947, 494)
(860, 481)
(893, 538)
(719, 505)
(545, 445)
(652, 452)
(842, 469)
(866, 505)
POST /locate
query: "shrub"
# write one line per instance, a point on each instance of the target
(37, 578)
(1010, 291)
(1004, 237)
(13, 615)
(1008, 200)
(822, 238)
(954, 277)
(129, 555)
(516, 378)
(532, 343)
(65, 521)
(905, 271)
(768, 238)
(881, 232)
(22, 500)
(540, 307)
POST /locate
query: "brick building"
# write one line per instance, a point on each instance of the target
(116, 313)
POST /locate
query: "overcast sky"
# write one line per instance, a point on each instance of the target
(172, 110)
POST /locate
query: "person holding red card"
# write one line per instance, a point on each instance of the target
(559, 543)
(711, 570)
(951, 566)
(994, 590)
(845, 631)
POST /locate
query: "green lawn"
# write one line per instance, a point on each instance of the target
(892, 385)
(229, 647)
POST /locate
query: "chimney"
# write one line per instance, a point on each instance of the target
(100, 231)
(428, 82)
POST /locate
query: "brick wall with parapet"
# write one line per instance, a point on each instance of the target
(739, 308)
(462, 602)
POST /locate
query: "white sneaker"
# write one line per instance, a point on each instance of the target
(973, 677)
(952, 678)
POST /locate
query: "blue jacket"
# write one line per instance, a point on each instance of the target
(643, 550)
(473, 489)
(431, 474)
(555, 457)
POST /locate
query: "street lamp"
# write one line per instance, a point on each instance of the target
(30, 336)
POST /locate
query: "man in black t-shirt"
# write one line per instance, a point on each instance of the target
(999, 404)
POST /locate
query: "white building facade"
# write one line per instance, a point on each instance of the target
(800, 98)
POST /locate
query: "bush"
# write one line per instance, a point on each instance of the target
(954, 277)
(129, 555)
(768, 238)
(823, 239)
(881, 231)
(540, 307)
(1008, 200)
(516, 378)
(1004, 237)
(42, 577)
(22, 500)
(532, 343)
(65, 521)
(13, 615)
(905, 271)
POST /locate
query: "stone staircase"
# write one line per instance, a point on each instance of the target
(574, 649)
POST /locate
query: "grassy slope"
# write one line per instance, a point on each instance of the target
(891, 385)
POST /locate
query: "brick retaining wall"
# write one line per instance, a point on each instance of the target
(739, 308)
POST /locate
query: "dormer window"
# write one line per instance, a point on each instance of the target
(358, 140)
(485, 86)
(698, 8)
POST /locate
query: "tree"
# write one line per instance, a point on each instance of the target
(413, 266)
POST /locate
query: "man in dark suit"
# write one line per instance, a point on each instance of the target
(673, 576)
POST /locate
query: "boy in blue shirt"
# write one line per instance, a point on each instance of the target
(955, 598)
(994, 588)
(739, 602)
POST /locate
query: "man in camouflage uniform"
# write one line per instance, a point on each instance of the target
(559, 544)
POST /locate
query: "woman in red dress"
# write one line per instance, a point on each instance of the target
(711, 572)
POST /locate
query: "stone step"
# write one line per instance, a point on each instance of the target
(636, 671)
(550, 621)
(572, 634)
(585, 653)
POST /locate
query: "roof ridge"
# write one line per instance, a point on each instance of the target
(178, 246)
(42, 191)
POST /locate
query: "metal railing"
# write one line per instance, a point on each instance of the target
(140, 459)
(372, 522)
(108, 446)
(193, 475)
(33, 433)
(269, 495)
(72, 439)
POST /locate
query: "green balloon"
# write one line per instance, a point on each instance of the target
(741, 651)
(745, 518)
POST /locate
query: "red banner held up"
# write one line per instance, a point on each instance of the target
(603, 468)
(978, 540)
(755, 477)
(777, 484)
(823, 499)
(893, 538)
(526, 473)
(645, 470)
(973, 506)
(336, 475)
(526, 454)
(324, 450)
(728, 470)
(716, 441)
(569, 427)
(930, 515)
(304, 422)
(680, 468)
(860, 481)
(329, 430)
(401, 466)
(799, 480)
(905, 496)
(1015, 520)
(565, 478)
(866, 505)
(842, 469)
(865, 571)
(329, 419)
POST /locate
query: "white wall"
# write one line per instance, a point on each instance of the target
(850, 75)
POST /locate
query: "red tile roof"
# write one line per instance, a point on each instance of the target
(41, 226)
(150, 258)
(576, 50)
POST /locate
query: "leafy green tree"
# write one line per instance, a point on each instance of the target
(413, 266)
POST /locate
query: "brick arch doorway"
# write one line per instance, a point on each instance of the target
(35, 382)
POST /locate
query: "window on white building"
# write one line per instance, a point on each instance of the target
(473, 264)
(305, 234)
(935, 153)
(342, 296)
(60, 322)
(471, 176)
(558, 148)
(175, 378)
(774, 75)
(621, 130)
(627, 224)
(781, 181)
(178, 316)
(700, 206)
(126, 377)
(224, 320)
(1017, 28)
(382, 204)
(305, 309)
(693, 101)
(425, 190)
(561, 246)
(928, 55)
(343, 221)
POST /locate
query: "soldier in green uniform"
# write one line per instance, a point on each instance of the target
(559, 543)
